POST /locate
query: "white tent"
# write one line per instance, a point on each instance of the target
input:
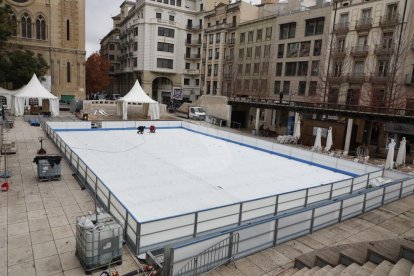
(318, 140)
(8, 95)
(389, 163)
(34, 89)
(138, 95)
(401, 153)
(329, 140)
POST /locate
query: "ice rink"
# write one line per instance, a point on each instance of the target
(176, 171)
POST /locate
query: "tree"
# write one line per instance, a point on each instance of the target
(97, 78)
(6, 26)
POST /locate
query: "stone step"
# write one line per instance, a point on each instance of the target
(350, 270)
(402, 268)
(329, 256)
(384, 250)
(383, 269)
(337, 270)
(323, 271)
(301, 272)
(366, 269)
(289, 272)
(311, 271)
(355, 254)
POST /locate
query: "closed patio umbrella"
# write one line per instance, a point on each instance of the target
(318, 143)
(401, 153)
(296, 135)
(389, 163)
(329, 141)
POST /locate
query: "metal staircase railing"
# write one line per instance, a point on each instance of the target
(221, 253)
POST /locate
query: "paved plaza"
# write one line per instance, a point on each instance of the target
(37, 222)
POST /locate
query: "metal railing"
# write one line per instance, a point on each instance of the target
(221, 253)
(270, 232)
(146, 235)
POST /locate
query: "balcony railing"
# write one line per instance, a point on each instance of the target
(217, 27)
(359, 51)
(336, 78)
(191, 71)
(229, 58)
(192, 56)
(389, 21)
(379, 78)
(196, 42)
(228, 76)
(385, 49)
(363, 24)
(194, 28)
(341, 28)
(338, 52)
(356, 78)
(231, 41)
(163, 21)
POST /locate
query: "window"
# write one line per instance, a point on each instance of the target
(186, 81)
(359, 68)
(165, 47)
(268, 33)
(290, 69)
(136, 31)
(234, 22)
(392, 11)
(259, 35)
(302, 68)
(276, 89)
(302, 88)
(312, 88)
(279, 68)
(68, 73)
(208, 87)
(187, 65)
(281, 50)
(265, 68)
(164, 63)
(26, 24)
(250, 37)
(111, 57)
(352, 97)
(314, 26)
(317, 47)
(136, 46)
(209, 70)
(215, 69)
(387, 40)
(211, 39)
(242, 38)
(258, 52)
(249, 53)
(256, 68)
(247, 69)
(343, 19)
(333, 95)
(67, 29)
(13, 20)
(135, 62)
(217, 53)
(287, 30)
(158, 15)
(240, 69)
(172, 2)
(267, 51)
(246, 85)
(263, 85)
(171, 17)
(305, 49)
(40, 28)
(337, 69)
(366, 15)
(214, 87)
(165, 32)
(197, 82)
(210, 53)
(111, 47)
(292, 49)
(178, 3)
(315, 68)
(286, 87)
(217, 37)
(383, 66)
(241, 53)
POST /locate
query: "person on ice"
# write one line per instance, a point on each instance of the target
(141, 129)
(152, 129)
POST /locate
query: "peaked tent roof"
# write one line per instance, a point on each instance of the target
(34, 89)
(136, 95)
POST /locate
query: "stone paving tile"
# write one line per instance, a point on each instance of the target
(41, 236)
(42, 250)
(38, 224)
(48, 266)
(17, 241)
(26, 269)
(19, 255)
(65, 245)
(69, 261)
(17, 228)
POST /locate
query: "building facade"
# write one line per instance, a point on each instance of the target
(56, 30)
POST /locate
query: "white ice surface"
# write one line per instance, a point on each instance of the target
(176, 171)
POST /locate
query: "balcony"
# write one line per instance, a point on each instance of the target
(229, 58)
(228, 76)
(232, 26)
(192, 28)
(216, 27)
(389, 21)
(338, 52)
(359, 51)
(356, 78)
(336, 79)
(196, 42)
(364, 24)
(191, 72)
(379, 78)
(192, 56)
(163, 21)
(386, 49)
(341, 28)
(409, 80)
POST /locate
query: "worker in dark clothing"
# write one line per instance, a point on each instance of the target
(141, 129)
(152, 129)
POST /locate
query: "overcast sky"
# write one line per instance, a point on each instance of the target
(99, 21)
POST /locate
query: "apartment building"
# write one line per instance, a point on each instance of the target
(220, 36)
(111, 50)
